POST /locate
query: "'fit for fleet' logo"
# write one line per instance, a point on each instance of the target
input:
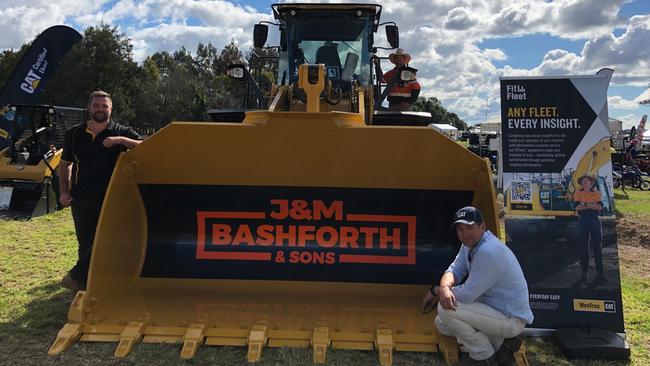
(35, 73)
(300, 231)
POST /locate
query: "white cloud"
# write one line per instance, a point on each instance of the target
(459, 19)
(21, 21)
(443, 36)
(628, 55)
(629, 120)
(443, 41)
(496, 54)
(619, 102)
(643, 96)
(169, 25)
(171, 37)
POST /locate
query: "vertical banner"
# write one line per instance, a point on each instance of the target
(559, 201)
(26, 83)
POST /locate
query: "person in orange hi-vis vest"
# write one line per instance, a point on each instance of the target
(403, 93)
(588, 204)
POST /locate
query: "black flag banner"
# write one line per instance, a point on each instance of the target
(27, 81)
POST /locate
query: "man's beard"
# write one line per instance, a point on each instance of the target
(100, 117)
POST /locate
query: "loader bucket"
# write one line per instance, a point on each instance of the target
(290, 229)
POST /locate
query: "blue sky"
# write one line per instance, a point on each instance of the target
(461, 47)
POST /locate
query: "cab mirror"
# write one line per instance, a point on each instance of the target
(392, 34)
(260, 33)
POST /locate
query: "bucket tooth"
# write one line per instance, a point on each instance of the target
(448, 347)
(193, 339)
(320, 340)
(69, 334)
(79, 307)
(384, 344)
(520, 355)
(256, 342)
(131, 335)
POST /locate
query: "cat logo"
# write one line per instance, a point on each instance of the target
(31, 82)
(33, 78)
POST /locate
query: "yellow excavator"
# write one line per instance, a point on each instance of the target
(552, 194)
(28, 178)
(306, 225)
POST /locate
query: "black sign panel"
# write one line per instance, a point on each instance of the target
(299, 233)
(543, 120)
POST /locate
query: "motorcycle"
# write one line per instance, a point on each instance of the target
(630, 176)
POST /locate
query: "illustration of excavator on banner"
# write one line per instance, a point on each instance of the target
(545, 204)
(551, 194)
(305, 225)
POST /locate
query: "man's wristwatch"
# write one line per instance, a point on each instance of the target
(433, 288)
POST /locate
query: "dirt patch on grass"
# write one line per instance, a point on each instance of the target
(633, 231)
(633, 260)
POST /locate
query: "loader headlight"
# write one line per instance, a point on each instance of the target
(406, 75)
(236, 71)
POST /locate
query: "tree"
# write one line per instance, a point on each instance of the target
(438, 113)
(8, 61)
(149, 99)
(263, 63)
(229, 55)
(206, 58)
(264, 58)
(176, 88)
(102, 60)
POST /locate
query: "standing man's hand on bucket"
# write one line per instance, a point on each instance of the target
(65, 199)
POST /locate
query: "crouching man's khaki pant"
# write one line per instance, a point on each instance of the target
(479, 327)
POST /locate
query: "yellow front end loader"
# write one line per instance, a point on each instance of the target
(308, 228)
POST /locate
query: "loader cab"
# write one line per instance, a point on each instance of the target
(340, 36)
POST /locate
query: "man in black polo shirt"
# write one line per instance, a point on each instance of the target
(90, 151)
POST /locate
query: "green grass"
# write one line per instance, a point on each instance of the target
(635, 204)
(35, 254)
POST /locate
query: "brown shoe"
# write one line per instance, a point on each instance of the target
(71, 284)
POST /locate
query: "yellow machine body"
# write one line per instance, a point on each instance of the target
(31, 187)
(34, 173)
(301, 157)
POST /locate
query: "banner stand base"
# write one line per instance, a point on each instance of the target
(591, 343)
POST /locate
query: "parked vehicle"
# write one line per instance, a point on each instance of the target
(627, 176)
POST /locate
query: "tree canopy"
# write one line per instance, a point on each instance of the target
(438, 113)
(166, 86)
